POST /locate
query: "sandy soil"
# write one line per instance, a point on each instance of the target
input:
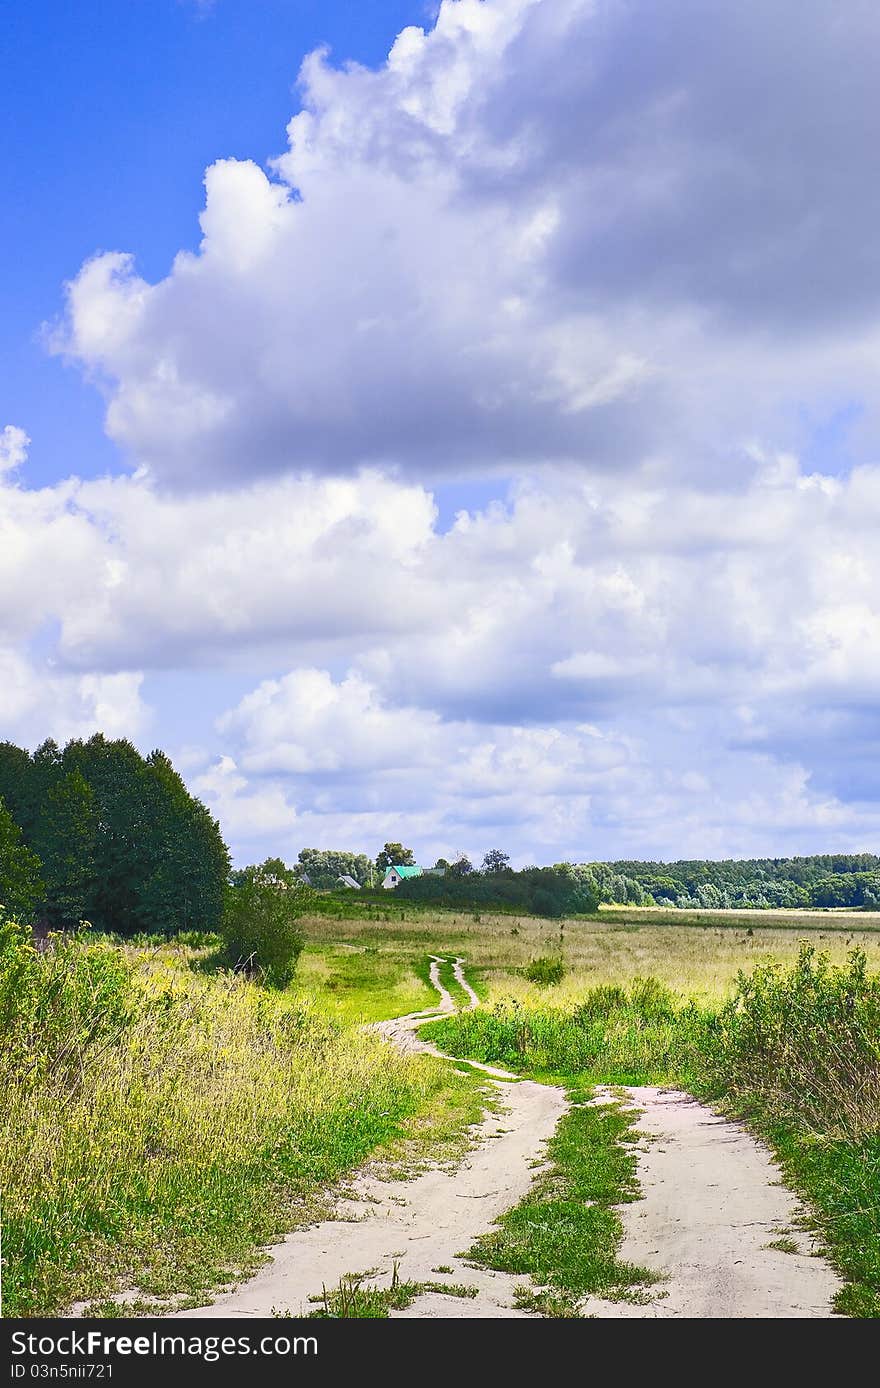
(712, 1203)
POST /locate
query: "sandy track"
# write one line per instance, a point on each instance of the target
(419, 1224)
(712, 1203)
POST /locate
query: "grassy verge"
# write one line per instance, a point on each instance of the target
(160, 1126)
(363, 982)
(447, 978)
(566, 1232)
(794, 1053)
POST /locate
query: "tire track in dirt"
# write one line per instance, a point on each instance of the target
(422, 1223)
(712, 1204)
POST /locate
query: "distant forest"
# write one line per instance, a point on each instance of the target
(825, 879)
(760, 883)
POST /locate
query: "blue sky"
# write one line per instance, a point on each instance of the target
(467, 434)
(113, 113)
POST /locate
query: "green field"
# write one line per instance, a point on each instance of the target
(639, 1001)
(163, 1120)
(161, 1124)
(370, 967)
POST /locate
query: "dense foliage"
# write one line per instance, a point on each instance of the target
(393, 855)
(825, 879)
(550, 891)
(116, 837)
(324, 867)
(21, 883)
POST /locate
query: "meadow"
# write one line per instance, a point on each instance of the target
(164, 1120)
(771, 1017)
(351, 961)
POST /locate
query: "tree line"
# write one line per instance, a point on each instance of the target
(96, 832)
(822, 879)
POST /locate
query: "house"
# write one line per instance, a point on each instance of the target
(397, 874)
(347, 881)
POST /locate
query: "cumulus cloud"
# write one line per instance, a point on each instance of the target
(332, 761)
(36, 702)
(682, 628)
(595, 234)
(619, 259)
(13, 448)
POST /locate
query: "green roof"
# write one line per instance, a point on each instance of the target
(405, 871)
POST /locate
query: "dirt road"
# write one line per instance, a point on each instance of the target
(712, 1205)
(421, 1224)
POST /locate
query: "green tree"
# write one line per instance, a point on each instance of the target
(188, 860)
(461, 867)
(260, 926)
(17, 786)
(325, 865)
(66, 838)
(394, 855)
(161, 863)
(125, 849)
(495, 861)
(21, 885)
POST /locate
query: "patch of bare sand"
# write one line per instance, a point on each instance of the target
(713, 1202)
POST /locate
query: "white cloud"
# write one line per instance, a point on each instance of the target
(623, 254)
(36, 703)
(248, 815)
(599, 234)
(678, 624)
(360, 770)
(13, 448)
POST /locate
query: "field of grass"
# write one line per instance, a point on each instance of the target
(363, 983)
(162, 1122)
(695, 954)
(160, 1125)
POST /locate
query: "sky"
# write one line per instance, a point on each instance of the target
(455, 424)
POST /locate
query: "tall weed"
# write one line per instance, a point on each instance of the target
(159, 1125)
(804, 1044)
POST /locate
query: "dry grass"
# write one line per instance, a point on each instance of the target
(699, 961)
(159, 1125)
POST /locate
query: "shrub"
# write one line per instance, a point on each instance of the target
(614, 1035)
(548, 891)
(260, 927)
(58, 1005)
(21, 888)
(545, 971)
(801, 1043)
